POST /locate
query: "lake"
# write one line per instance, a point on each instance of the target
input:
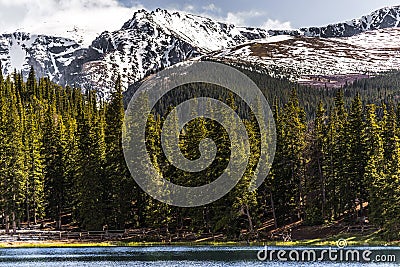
(208, 256)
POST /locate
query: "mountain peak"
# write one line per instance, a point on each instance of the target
(152, 40)
(387, 17)
(160, 10)
(204, 33)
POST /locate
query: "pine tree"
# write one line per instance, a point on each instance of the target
(289, 180)
(389, 192)
(339, 154)
(34, 163)
(353, 187)
(118, 178)
(67, 197)
(330, 167)
(315, 185)
(374, 174)
(90, 173)
(53, 153)
(31, 87)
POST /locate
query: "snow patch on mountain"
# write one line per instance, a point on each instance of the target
(299, 57)
(17, 54)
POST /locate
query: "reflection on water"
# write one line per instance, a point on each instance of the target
(149, 256)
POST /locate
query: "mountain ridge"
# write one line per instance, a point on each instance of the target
(387, 17)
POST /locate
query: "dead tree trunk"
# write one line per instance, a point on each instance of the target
(251, 228)
(273, 212)
(14, 224)
(7, 224)
(28, 216)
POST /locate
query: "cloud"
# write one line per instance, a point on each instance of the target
(189, 8)
(242, 18)
(276, 25)
(85, 19)
(60, 17)
(212, 8)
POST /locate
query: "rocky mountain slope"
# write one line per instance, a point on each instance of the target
(48, 55)
(151, 41)
(388, 17)
(302, 58)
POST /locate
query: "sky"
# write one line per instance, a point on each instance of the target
(88, 18)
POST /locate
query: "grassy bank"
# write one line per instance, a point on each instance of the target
(352, 240)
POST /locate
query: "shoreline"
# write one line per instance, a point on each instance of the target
(302, 243)
(301, 236)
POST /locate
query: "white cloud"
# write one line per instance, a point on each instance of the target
(60, 17)
(241, 18)
(91, 17)
(276, 25)
(212, 8)
(189, 8)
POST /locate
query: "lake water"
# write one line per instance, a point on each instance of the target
(162, 256)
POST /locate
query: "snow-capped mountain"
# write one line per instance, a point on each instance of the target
(388, 17)
(146, 43)
(48, 55)
(153, 40)
(301, 57)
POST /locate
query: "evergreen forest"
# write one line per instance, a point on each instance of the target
(337, 158)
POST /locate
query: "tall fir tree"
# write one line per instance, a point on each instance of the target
(353, 189)
(123, 191)
(34, 163)
(315, 184)
(90, 172)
